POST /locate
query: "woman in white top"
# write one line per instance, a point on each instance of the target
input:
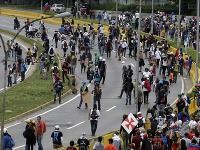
(158, 56)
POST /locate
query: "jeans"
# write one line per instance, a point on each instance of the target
(57, 92)
(146, 96)
(39, 140)
(15, 78)
(22, 75)
(102, 49)
(128, 97)
(93, 126)
(9, 80)
(97, 99)
(72, 69)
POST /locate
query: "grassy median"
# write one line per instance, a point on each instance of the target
(32, 92)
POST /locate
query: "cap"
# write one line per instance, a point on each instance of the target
(28, 120)
(84, 82)
(139, 113)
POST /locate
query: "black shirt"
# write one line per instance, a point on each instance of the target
(56, 135)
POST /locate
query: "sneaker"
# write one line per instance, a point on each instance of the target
(126, 103)
(78, 107)
(119, 96)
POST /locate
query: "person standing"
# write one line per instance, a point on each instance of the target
(29, 134)
(58, 87)
(109, 48)
(57, 137)
(99, 145)
(83, 142)
(56, 38)
(103, 71)
(9, 76)
(146, 90)
(97, 95)
(94, 115)
(22, 70)
(128, 90)
(110, 146)
(64, 47)
(117, 142)
(39, 132)
(7, 142)
(83, 91)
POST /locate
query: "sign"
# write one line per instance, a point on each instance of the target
(87, 97)
(129, 123)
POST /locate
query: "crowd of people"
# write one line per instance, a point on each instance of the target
(170, 129)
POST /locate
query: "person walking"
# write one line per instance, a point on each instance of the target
(64, 47)
(58, 88)
(128, 90)
(7, 142)
(94, 115)
(103, 71)
(83, 91)
(57, 137)
(97, 95)
(39, 132)
(109, 48)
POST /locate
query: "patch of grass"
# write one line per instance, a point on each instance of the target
(30, 93)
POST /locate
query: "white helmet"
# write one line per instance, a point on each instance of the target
(57, 127)
(100, 58)
(103, 60)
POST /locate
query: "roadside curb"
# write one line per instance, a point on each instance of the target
(36, 109)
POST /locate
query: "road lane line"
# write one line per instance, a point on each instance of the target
(18, 147)
(124, 57)
(182, 90)
(132, 64)
(110, 108)
(50, 109)
(28, 66)
(75, 125)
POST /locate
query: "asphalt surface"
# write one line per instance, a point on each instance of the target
(11, 60)
(73, 121)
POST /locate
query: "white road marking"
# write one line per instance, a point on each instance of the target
(75, 125)
(18, 147)
(110, 108)
(28, 66)
(124, 57)
(182, 90)
(49, 110)
(132, 64)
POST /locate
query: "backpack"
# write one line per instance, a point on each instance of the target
(25, 134)
(82, 145)
(140, 122)
(65, 44)
(164, 138)
(51, 51)
(55, 69)
(10, 143)
(94, 114)
(44, 127)
(147, 85)
(157, 144)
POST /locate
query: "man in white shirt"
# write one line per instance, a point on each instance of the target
(186, 138)
(124, 45)
(117, 142)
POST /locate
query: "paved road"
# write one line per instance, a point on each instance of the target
(11, 60)
(73, 121)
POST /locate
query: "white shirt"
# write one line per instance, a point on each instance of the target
(124, 44)
(30, 28)
(158, 54)
(101, 29)
(146, 74)
(137, 15)
(98, 114)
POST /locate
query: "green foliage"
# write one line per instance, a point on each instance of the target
(32, 92)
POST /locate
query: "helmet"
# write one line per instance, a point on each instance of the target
(5, 130)
(100, 58)
(103, 60)
(84, 82)
(57, 127)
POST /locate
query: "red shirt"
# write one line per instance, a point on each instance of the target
(39, 127)
(136, 140)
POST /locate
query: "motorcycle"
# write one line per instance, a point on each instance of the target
(35, 33)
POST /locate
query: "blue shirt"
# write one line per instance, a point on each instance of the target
(23, 67)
